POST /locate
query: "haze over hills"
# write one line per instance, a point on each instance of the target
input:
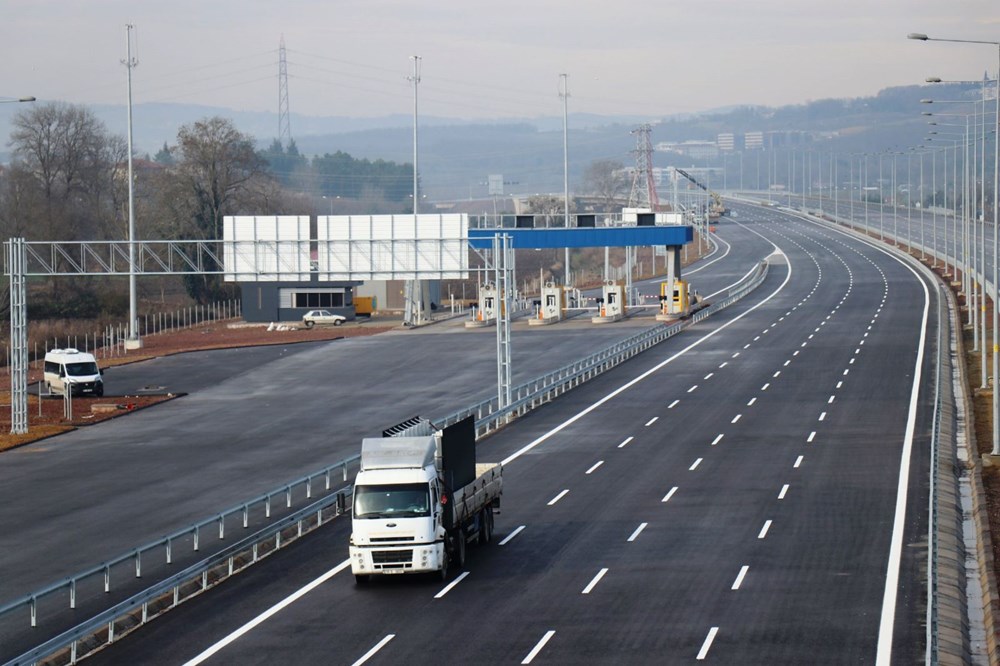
(457, 155)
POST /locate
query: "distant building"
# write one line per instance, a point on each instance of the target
(699, 150)
(726, 141)
(753, 140)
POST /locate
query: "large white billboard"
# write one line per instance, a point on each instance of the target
(266, 248)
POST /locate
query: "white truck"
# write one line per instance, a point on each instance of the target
(419, 500)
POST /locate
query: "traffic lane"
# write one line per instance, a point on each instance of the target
(507, 504)
(133, 480)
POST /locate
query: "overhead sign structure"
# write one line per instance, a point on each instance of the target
(266, 248)
(392, 247)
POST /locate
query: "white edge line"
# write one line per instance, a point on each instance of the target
(511, 535)
(371, 653)
(447, 588)
(273, 610)
(538, 646)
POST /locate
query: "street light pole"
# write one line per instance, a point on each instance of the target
(564, 95)
(133, 341)
(17, 100)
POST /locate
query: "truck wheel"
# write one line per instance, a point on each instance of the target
(489, 524)
(361, 579)
(485, 526)
(460, 550)
(446, 562)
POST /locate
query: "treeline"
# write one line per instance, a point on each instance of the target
(339, 174)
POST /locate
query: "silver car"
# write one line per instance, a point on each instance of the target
(314, 317)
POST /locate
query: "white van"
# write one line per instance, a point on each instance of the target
(73, 367)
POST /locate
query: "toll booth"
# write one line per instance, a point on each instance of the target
(550, 307)
(485, 312)
(675, 300)
(611, 305)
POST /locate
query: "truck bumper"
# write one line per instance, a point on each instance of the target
(412, 558)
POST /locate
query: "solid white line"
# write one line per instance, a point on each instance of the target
(736, 418)
(538, 647)
(638, 530)
(558, 497)
(629, 384)
(784, 491)
(371, 653)
(651, 421)
(284, 603)
(763, 530)
(673, 404)
(695, 464)
(666, 498)
(511, 535)
(447, 588)
(739, 577)
(718, 438)
(703, 652)
(625, 443)
(811, 436)
(595, 466)
(595, 581)
(798, 462)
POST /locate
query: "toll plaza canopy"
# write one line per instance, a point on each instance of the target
(672, 235)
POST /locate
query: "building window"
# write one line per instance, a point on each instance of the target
(318, 299)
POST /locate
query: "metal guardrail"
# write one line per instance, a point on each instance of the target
(115, 622)
(133, 560)
(540, 390)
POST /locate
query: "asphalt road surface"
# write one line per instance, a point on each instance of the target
(752, 491)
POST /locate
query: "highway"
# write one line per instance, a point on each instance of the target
(751, 491)
(252, 420)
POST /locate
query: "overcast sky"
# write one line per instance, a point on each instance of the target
(488, 59)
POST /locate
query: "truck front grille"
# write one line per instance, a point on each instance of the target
(392, 558)
(391, 539)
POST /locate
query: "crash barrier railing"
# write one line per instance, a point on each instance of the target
(130, 564)
(527, 396)
(116, 622)
(531, 394)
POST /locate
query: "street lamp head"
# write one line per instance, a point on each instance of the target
(933, 79)
(919, 36)
(26, 99)
(926, 113)
(926, 101)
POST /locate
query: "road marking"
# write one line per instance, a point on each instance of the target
(735, 355)
(784, 491)
(857, 351)
(803, 344)
(625, 443)
(756, 338)
(651, 421)
(846, 371)
(811, 336)
(595, 581)
(811, 436)
(718, 438)
(703, 652)
(736, 418)
(822, 416)
(371, 653)
(595, 466)
(852, 361)
(692, 388)
(798, 462)
(638, 531)
(709, 375)
(447, 588)
(634, 381)
(763, 530)
(775, 375)
(511, 535)
(724, 364)
(840, 384)
(273, 610)
(830, 401)
(673, 404)
(558, 497)
(765, 386)
(746, 346)
(538, 646)
(666, 498)
(695, 464)
(740, 576)
(752, 400)
(788, 362)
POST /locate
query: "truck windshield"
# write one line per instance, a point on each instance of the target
(405, 500)
(81, 369)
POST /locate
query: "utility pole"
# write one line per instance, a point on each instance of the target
(415, 287)
(284, 125)
(133, 341)
(564, 95)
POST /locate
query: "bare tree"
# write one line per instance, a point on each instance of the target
(605, 179)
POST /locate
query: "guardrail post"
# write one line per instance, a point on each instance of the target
(288, 497)
(170, 555)
(72, 593)
(107, 579)
(309, 488)
(267, 507)
(145, 612)
(138, 564)
(34, 611)
(204, 581)
(111, 632)
(197, 533)
(345, 471)
(231, 566)
(327, 479)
